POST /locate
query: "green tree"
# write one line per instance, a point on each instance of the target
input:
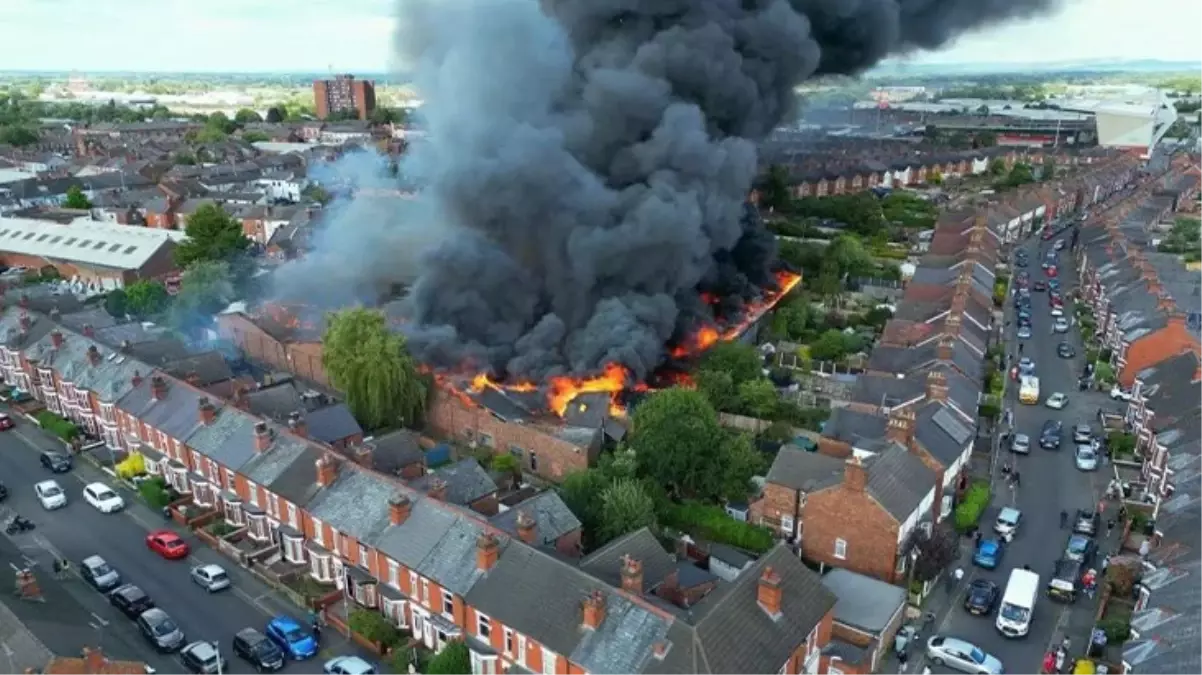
(758, 398)
(17, 135)
(76, 199)
(775, 195)
(935, 552)
(829, 282)
(144, 298)
(454, 659)
(184, 157)
(997, 167)
(276, 114)
(255, 137)
(581, 492)
(317, 193)
(741, 361)
(625, 507)
(740, 461)
(246, 116)
(213, 234)
(984, 139)
(830, 346)
(116, 303)
(370, 364)
(718, 388)
(221, 122)
(678, 443)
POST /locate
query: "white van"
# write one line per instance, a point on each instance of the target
(1018, 604)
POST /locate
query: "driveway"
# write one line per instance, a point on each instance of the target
(1049, 483)
(78, 530)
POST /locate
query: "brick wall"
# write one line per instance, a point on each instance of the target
(841, 512)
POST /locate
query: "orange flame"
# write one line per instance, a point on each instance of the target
(613, 381)
(708, 336)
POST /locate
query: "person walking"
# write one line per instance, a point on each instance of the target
(958, 575)
(902, 657)
(1109, 527)
(1063, 518)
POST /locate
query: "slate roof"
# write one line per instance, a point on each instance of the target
(96, 317)
(209, 367)
(332, 423)
(943, 433)
(466, 481)
(863, 602)
(11, 333)
(552, 517)
(606, 562)
(110, 379)
(229, 440)
(177, 415)
(288, 467)
(394, 451)
(899, 481)
(436, 540)
(888, 390)
(804, 471)
(853, 426)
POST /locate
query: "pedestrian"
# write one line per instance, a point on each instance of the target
(1027, 568)
(1006, 469)
(1066, 644)
(317, 632)
(926, 670)
(1049, 662)
(1105, 563)
(1063, 518)
(1123, 512)
(902, 657)
(1061, 657)
(976, 537)
(1145, 547)
(1015, 477)
(1020, 348)
(1109, 527)
(958, 574)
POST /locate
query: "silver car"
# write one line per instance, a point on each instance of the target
(1061, 325)
(210, 577)
(961, 655)
(1021, 444)
(1087, 458)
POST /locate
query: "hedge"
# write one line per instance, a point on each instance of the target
(58, 426)
(974, 503)
(714, 524)
(374, 626)
(154, 491)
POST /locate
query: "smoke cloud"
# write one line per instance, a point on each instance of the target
(588, 163)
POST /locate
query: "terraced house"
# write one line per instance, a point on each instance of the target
(435, 554)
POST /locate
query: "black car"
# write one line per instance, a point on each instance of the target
(56, 461)
(131, 600)
(160, 630)
(1086, 522)
(982, 596)
(1065, 580)
(1039, 286)
(1049, 435)
(1020, 262)
(254, 647)
(1065, 351)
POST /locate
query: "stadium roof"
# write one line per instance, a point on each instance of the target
(84, 242)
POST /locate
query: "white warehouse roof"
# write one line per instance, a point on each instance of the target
(84, 241)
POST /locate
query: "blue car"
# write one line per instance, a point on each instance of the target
(292, 638)
(988, 554)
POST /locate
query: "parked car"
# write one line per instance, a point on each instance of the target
(961, 655)
(1024, 331)
(1065, 351)
(1082, 433)
(210, 577)
(1056, 401)
(1086, 458)
(292, 638)
(1051, 271)
(1059, 245)
(56, 462)
(50, 495)
(1049, 435)
(1086, 522)
(1119, 394)
(130, 600)
(1039, 286)
(988, 553)
(348, 665)
(1060, 325)
(1026, 366)
(97, 572)
(203, 657)
(167, 544)
(1007, 521)
(1080, 547)
(103, 498)
(6, 422)
(1020, 443)
(981, 597)
(255, 647)
(1057, 311)
(160, 630)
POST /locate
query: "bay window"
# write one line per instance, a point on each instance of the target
(294, 545)
(320, 567)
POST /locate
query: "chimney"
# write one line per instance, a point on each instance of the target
(193, 378)
(398, 509)
(126, 346)
(136, 380)
(327, 470)
(26, 322)
(438, 489)
(632, 575)
(900, 428)
(363, 454)
(55, 314)
(158, 387)
(660, 649)
(487, 551)
(1165, 303)
(240, 401)
(769, 592)
(946, 346)
(855, 476)
(262, 437)
(594, 610)
(88, 331)
(57, 338)
(93, 355)
(208, 411)
(527, 527)
(296, 422)
(93, 660)
(937, 385)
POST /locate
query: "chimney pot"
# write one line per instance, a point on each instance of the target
(88, 331)
(937, 385)
(296, 422)
(93, 355)
(855, 476)
(193, 378)
(527, 527)
(54, 314)
(262, 437)
(487, 552)
(438, 489)
(945, 348)
(900, 427)
(769, 592)
(57, 339)
(632, 575)
(398, 509)
(327, 471)
(158, 387)
(126, 345)
(208, 411)
(594, 610)
(136, 380)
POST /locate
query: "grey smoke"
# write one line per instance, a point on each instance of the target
(589, 161)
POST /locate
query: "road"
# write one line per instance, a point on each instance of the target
(1049, 483)
(78, 530)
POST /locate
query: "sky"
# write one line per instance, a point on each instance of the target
(91, 36)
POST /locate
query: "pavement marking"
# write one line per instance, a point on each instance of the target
(100, 619)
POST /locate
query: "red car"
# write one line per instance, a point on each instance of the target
(6, 422)
(1051, 272)
(167, 544)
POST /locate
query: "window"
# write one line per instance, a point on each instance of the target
(483, 626)
(294, 549)
(320, 567)
(486, 440)
(253, 490)
(394, 575)
(448, 603)
(787, 525)
(840, 548)
(509, 642)
(229, 479)
(534, 462)
(414, 590)
(293, 518)
(426, 592)
(549, 662)
(273, 506)
(364, 558)
(318, 533)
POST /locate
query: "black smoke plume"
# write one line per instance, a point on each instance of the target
(589, 162)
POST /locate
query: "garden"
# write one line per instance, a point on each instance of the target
(63, 428)
(972, 505)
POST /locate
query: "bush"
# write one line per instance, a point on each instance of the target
(154, 491)
(220, 528)
(452, 660)
(990, 409)
(1117, 630)
(1121, 445)
(713, 523)
(970, 508)
(374, 626)
(133, 465)
(58, 426)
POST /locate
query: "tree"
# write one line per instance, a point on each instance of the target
(740, 461)
(317, 193)
(76, 199)
(507, 465)
(718, 388)
(829, 282)
(581, 492)
(758, 398)
(983, 110)
(454, 659)
(205, 288)
(775, 193)
(116, 303)
(677, 440)
(246, 116)
(144, 298)
(997, 167)
(830, 346)
(935, 552)
(625, 507)
(185, 158)
(275, 114)
(386, 116)
(213, 234)
(17, 135)
(741, 361)
(370, 364)
(255, 137)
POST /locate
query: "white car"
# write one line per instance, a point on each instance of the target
(1119, 394)
(210, 577)
(103, 497)
(1056, 401)
(961, 655)
(51, 494)
(1057, 311)
(1086, 458)
(1060, 325)
(348, 665)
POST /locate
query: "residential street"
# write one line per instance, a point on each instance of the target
(79, 530)
(1049, 482)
